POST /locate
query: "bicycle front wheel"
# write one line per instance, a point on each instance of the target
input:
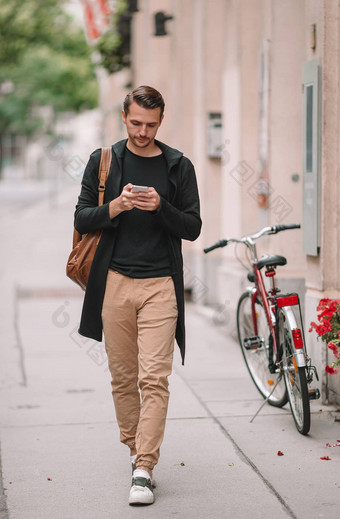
(294, 376)
(259, 357)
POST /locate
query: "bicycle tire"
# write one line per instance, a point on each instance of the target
(294, 376)
(257, 360)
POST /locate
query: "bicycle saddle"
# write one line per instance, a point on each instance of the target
(271, 261)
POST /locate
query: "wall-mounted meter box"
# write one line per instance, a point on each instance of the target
(214, 137)
(311, 158)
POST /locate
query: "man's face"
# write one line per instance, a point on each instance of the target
(142, 125)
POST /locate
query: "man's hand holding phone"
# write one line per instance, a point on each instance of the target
(139, 189)
(147, 198)
(142, 197)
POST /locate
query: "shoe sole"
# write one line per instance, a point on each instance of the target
(139, 502)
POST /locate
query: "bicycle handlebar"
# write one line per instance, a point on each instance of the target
(247, 239)
(279, 228)
(220, 243)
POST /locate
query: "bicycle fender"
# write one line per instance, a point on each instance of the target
(300, 359)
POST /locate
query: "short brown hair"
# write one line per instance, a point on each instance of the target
(146, 97)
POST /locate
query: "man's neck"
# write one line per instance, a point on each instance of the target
(149, 151)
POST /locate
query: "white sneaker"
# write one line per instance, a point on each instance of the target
(141, 489)
(134, 467)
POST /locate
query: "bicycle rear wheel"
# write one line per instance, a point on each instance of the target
(260, 356)
(294, 376)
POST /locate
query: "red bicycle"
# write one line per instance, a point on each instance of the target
(271, 335)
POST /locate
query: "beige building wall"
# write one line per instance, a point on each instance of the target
(186, 66)
(111, 96)
(322, 276)
(244, 59)
(264, 52)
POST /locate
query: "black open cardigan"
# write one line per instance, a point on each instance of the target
(179, 216)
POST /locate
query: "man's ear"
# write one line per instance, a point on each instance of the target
(161, 119)
(123, 117)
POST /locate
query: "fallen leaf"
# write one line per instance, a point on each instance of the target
(182, 464)
(279, 453)
(328, 445)
(325, 458)
(49, 479)
(230, 464)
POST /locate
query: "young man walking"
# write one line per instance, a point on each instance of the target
(135, 291)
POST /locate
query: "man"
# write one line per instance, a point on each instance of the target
(135, 290)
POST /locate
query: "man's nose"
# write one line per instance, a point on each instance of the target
(143, 130)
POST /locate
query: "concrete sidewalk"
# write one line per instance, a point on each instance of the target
(60, 450)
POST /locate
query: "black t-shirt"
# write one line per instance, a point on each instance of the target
(141, 249)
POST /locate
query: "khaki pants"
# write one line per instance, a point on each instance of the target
(139, 322)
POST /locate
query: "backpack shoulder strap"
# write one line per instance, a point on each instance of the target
(104, 168)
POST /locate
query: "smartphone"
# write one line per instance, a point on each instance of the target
(137, 189)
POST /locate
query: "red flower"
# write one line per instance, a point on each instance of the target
(334, 348)
(327, 326)
(314, 325)
(322, 303)
(325, 458)
(327, 303)
(329, 309)
(323, 328)
(279, 453)
(330, 370)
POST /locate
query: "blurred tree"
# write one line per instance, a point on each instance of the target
(44, 62)
(114, 46)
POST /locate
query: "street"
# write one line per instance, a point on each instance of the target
(60, 451)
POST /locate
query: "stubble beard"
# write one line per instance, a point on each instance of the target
(141, 144)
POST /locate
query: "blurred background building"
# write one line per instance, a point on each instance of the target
(252, 98)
